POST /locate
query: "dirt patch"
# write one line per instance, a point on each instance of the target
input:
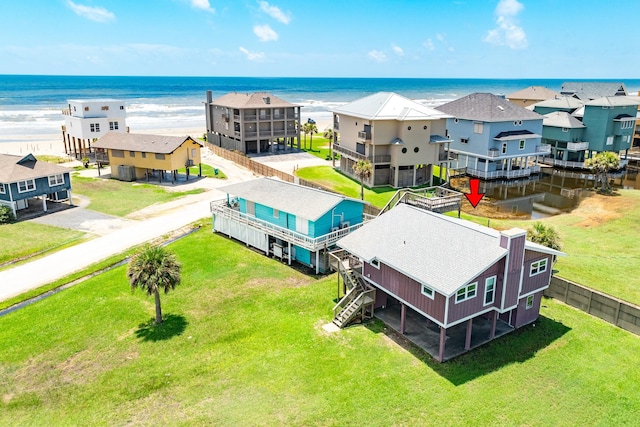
(598, 209)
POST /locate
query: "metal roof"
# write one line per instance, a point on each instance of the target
(442, 252)
(487, 107)
(20, 168)
(146, 143)
(304, 202)
(389, 106)
(561, 119)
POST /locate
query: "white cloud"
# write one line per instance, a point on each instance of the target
(94, 13)
(265, 33)
(397, 50)
(377, 55)
(508, 32)
(428, 43)
(203, 5)
(252, 56)
(440, 37)
(275, 12)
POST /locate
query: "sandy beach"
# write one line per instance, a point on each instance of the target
(52, 144)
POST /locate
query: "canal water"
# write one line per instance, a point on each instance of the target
(553, 192)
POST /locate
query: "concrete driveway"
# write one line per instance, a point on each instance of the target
(79, 218)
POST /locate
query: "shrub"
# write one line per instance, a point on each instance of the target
(6, 215)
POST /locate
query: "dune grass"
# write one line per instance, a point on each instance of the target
(120, 198)
(242, 344)
(24, 239)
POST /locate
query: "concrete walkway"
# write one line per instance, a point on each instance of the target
(149, 225)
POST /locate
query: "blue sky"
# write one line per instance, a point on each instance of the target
(348, 38)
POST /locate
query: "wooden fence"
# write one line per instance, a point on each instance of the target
(615, 311)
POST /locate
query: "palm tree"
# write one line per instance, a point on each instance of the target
(600, 164)
(309, 128)
(151, 269)
(544, 235)
(328, 133)
(362, 168)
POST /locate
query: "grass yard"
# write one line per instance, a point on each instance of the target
(242, 344)
(24, 239)
(600, 238)
(332, 179)
(120, 198)
(207, 170)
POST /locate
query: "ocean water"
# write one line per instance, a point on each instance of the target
(31, 105)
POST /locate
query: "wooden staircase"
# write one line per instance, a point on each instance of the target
(436, 199)
(357, 303)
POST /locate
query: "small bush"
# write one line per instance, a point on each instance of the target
(6, 215)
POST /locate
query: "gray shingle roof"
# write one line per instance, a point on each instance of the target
(561, 119)
(389, 106)
(304, 202)
(19, 168)
(442, 252)
(533, 93)
(251, 100)
(487, 107)
(160, 144)
(592, 90)
(613, 101)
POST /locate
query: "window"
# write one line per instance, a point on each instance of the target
(489, 290)
(522, 144)
(276, 113)
(97, 127)
(529, 302)
(455, 120)
(416, 149)
(276, 213)
(538, 267)
(117, 153)
(565, 129)
(467, 292)
(122, 107)
(2, 190)
(464, 140)
(113, 125)
(404, 150)
(132, 153)
(193, 153)
(517, 123)
(424, 127)
(427, 291)
(478, 127)
(56, 180)
(375, 263)
(504, 148)
(28, 185)
(94, 127)
(159, 156)
(408, 127)
(143, 155)
(263, 113)
(105, 108)
(610, 140)
(86, 108)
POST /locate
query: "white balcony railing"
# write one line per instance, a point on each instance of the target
(543, 149)
(508, 174)
(220, 207)
(577, 146)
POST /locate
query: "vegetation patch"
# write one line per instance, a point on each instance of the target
(120, 198)
(237, 355)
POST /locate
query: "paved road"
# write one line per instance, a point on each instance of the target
(155, 222)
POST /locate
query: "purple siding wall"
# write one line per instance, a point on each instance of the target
(539, 281)
(476, 304)
(521, 316)
(515, 246)
(406, 289)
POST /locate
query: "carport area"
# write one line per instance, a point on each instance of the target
(38, 206)
(426, 334)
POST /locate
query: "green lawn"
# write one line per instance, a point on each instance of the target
(208, 171)
(243, 345)
(23, 239)
(319, 149)
(330, 178)
(120, 198)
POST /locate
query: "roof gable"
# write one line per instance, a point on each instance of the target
(540, 93)
(562, 119)
(389, 106)
(303, 202)
(487, 107)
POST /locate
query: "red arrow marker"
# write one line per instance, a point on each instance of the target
(475, 196)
